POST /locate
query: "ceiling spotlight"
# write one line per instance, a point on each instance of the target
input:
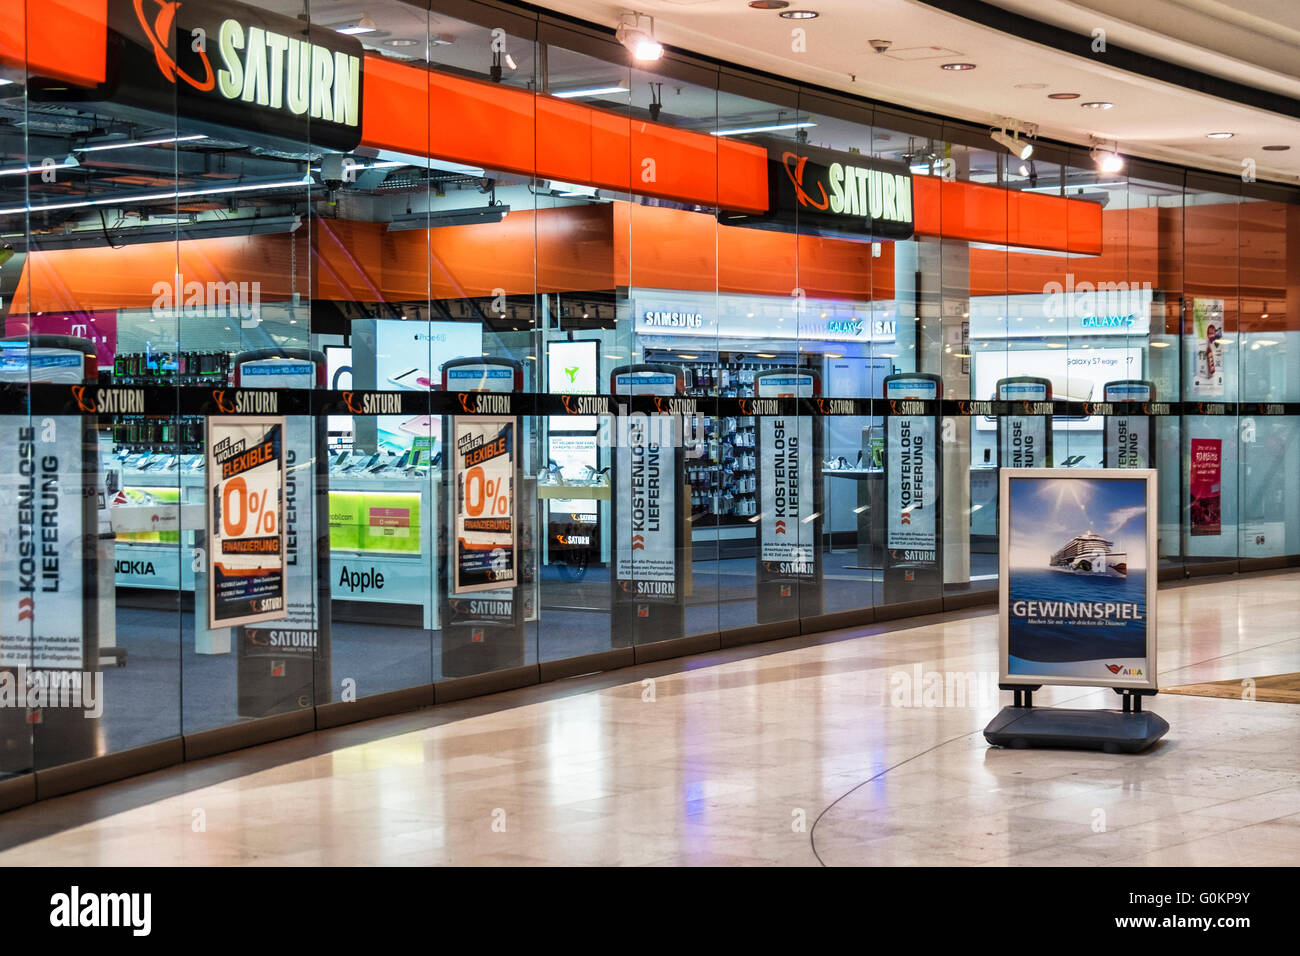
(1218, 135)
(1013, 144)
(1278, 148)
(799, 14)
(769, 4)
(957, 66)
(1062, 96)
(1107, 160)
(640, 41)
(1097, 105)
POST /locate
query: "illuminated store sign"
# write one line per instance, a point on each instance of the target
(224, 63)
(750, 318)
(823, 190)
(1069, 308)
(672, 320)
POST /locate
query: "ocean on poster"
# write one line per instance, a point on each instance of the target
(1059, 638)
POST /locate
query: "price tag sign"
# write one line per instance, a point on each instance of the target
(245, 467)
(484, 516)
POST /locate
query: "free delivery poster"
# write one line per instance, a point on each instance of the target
(1077, 582)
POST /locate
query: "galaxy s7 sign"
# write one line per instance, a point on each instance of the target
(214, 61)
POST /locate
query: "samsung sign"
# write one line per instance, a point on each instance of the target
(220, 63)
(745, 318)
(653, 319)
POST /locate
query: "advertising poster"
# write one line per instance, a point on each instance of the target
(785, 462)
(1074, 374)
(484, 515)
(1205, 483)
(246, 468)
(1128, 437)
(1207, 370)
(572, 368)
(1078, 577)
(41, 567)
(1023, 438)
(911, 462)
(409, 356)
(647, 494)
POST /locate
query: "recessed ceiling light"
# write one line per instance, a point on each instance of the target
(1097, 105)
(799, 14)
(957, 66)
(769, 4)
(365, 25)
(1062, 96)
(1031, 86)
(401, 42)
(1218, 136)
(1277, 148)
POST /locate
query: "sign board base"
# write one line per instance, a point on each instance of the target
(1112, 731)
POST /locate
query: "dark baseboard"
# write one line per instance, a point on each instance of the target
(956, 600)
(891, 612)
(1246, 565)
(17, 791)
(94, 771)
(338, 713)
(1171, 574)
(772, 631)
(837, 620)
(461, 688)
(678, 647)
(1209, 568)
(209, 743)
(610, 660)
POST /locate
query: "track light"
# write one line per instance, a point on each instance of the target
(639, 40)
(1107, 160)
(1013, 144)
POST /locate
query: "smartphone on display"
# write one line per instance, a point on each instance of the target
(412, 379)
(420, 425)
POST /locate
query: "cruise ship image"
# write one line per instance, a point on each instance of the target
(1092, 554)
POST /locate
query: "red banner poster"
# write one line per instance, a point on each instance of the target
(1205, 484)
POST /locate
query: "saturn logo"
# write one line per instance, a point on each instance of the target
(159, 36)
(795, 173)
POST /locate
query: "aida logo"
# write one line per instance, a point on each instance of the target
(159, 33)
(1120, 670)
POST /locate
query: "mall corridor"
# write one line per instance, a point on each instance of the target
(795, 752)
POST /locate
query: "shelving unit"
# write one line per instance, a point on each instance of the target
(723, 480)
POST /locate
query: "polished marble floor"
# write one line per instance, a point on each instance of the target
(784, 753)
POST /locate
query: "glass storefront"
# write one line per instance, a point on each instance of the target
(447, 349)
